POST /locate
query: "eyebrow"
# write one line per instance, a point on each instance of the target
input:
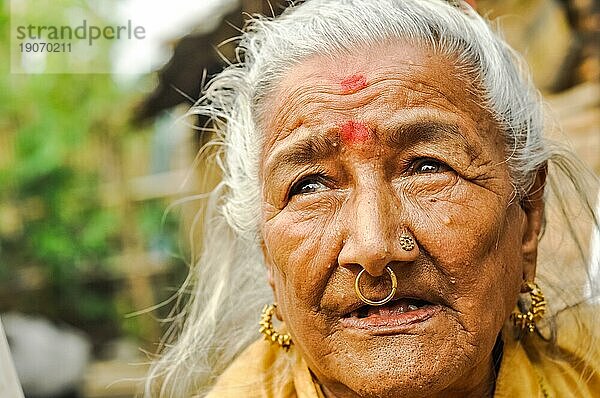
(310, 149)
(429, 131)
(318, 147)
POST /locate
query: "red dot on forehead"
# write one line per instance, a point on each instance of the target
(355, 132)
(353, 83)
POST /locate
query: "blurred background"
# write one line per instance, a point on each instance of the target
(95, 170)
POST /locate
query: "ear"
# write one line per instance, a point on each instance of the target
(533, 206)
(270, 275)
(269, 265)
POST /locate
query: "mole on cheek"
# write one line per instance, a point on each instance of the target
(353, 83)
(354, 132)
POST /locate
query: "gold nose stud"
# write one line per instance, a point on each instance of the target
(407, 242)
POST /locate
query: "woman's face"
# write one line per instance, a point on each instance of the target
(359, 150)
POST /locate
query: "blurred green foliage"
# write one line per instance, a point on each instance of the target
(61, 140)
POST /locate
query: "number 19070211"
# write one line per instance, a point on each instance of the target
(45, 47)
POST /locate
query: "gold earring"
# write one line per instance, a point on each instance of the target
(526, 321)
(266, 327)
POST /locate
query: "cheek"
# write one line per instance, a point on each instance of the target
(302, 242)
(457, 222)
(473, 239)
(303, 248)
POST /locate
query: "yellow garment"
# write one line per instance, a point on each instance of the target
(261, 371)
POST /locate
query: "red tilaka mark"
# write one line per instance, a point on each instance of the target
(353, 83)
(355, 132)
(472, 3)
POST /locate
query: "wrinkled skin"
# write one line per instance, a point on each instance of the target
(431, 163)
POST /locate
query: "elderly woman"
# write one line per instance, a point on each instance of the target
(383, 175)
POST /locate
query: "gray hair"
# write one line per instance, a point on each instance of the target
(227, 284)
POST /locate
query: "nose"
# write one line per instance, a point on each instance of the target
(375, 234)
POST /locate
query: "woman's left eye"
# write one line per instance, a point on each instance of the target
(429, 166)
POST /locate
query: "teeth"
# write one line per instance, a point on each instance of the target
(362, 312)
(402, 307)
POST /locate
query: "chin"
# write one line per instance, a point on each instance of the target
(425, 360)
(411, 383)
(400, 366)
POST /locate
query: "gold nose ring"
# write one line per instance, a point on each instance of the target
(376, 302)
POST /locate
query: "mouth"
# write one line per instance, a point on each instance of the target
(394, 317)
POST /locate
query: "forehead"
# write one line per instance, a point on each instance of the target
(369, 83)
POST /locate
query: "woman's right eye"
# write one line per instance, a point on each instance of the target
(307, 185)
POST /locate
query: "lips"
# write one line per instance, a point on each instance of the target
(395, 307)
(397, 316)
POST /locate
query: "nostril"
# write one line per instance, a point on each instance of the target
(374, 274)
